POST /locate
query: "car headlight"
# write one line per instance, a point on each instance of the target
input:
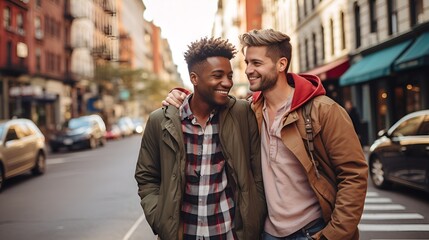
(139, 129)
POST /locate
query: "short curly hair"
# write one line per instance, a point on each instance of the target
(204, 48)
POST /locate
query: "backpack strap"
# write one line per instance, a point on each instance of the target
(309, 130)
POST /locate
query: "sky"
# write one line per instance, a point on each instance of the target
(181, 22)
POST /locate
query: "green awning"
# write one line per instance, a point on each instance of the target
(374, 65)
(416, 56)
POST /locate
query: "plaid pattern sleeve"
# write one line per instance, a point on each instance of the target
(208, 206)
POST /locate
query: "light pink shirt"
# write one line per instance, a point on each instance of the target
(292, 204)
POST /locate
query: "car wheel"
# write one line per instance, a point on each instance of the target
(92, 143)
(378, 174)
(40, 166)
(103, 141)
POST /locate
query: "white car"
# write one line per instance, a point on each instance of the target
(22, 149)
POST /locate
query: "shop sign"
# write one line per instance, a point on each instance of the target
(30, 90)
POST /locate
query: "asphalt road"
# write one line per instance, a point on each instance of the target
(88, 194)
(92, 194)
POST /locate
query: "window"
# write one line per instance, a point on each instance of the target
(20, 22)
(416, 11)
(11, 134)
(314, 50)
(322, 36)
(408, 127)
(357, 24)
(343, 31)
(297, 10)
(38, 59)
(9, 52)
(392, 13)
(424, 128)
(38, 28)
(372, 16)
(305, 7)
(7, 19)
(307, 62)
(331, 24)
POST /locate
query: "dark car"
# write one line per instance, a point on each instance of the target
(401, 154)
(82, 132)
(22, 149)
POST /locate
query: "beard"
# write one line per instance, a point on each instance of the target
(267, 82)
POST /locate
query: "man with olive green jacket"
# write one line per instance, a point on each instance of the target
(160, 170)
(199, 169)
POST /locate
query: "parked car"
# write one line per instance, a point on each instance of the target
(82, 132)
(22, 149)
(401, 154)
(113, 132)
(126, 125)
(138, 125)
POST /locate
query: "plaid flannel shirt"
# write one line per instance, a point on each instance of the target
(208, 206)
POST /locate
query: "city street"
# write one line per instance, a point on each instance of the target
(92, 194)
(88, 194)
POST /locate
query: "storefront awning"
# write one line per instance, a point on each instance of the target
(332, 70)
(416, 56)
(372, 66)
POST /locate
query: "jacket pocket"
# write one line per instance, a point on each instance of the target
(325, 189)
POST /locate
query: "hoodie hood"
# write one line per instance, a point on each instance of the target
(306, 86)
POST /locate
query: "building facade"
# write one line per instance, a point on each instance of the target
(55, 58)
(356, 48)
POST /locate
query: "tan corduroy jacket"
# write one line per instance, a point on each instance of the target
(342, 185)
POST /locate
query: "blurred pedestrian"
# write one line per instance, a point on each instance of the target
(354, 116)
(199, 171)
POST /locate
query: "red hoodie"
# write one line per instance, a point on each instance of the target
(306, 86)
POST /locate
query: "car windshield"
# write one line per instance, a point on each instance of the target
(76, 123)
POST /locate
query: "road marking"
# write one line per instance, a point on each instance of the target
(390, 216)
(383, 207)
(133, 228)
(378, 200)
(372, 194)
(393, 227)
(55, 161)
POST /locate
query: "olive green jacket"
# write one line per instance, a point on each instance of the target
(160, 171)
